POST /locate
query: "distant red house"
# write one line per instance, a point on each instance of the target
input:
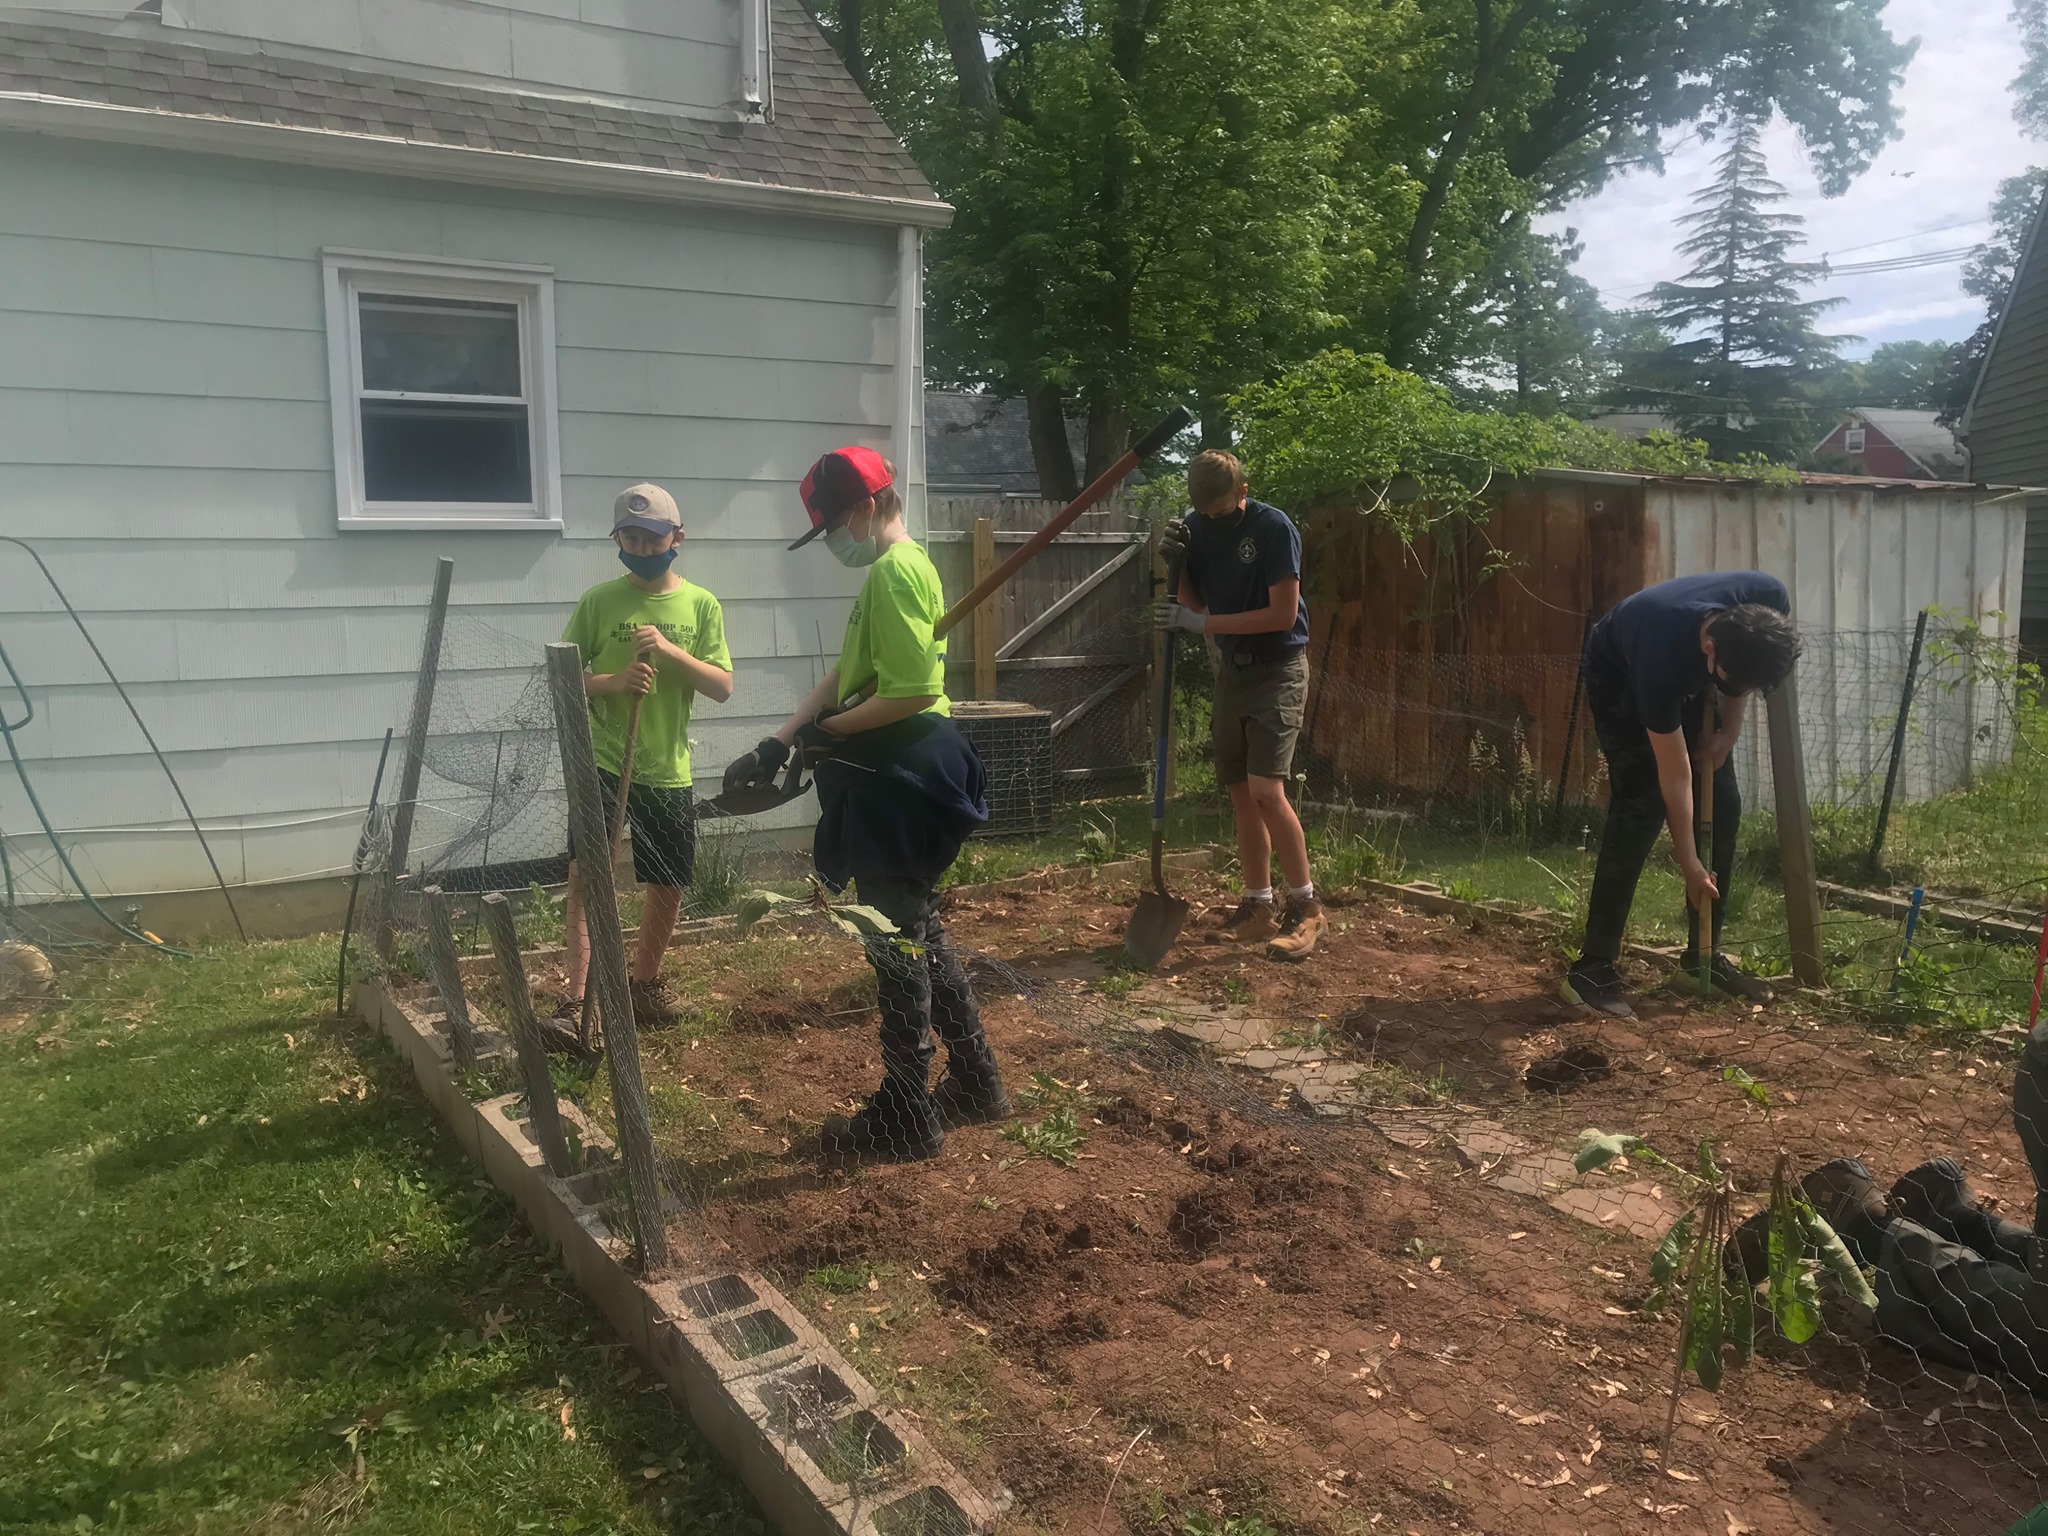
(1893, 445)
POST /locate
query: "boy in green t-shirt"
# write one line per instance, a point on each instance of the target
(653, 636)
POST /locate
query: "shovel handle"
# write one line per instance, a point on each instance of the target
(1164, 743)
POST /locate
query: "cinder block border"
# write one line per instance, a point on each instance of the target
(804, 1430)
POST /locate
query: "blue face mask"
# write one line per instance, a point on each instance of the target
(649, 567)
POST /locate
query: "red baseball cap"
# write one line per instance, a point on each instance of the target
(837, 483)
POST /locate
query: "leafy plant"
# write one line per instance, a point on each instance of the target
(1237, 989)
(851, 918)
(1098, 841)
(1047, 1092)
(838, 1279)
(1748, 1086)
(1314, 1037)
(1462, 889)
(1058, 1137)
(1693, 1267)
(715, 881)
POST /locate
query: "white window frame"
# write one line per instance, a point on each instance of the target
(1855, 441)
(347, 276)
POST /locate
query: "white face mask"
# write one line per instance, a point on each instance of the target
(849, 551)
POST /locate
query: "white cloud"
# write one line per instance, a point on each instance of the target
(1958, 143)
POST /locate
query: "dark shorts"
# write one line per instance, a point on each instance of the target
(661, 826)
(1258, 716)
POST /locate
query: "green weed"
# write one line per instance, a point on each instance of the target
(840, 1280)
(1058, 1137)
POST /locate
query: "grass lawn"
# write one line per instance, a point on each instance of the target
(247, 1285)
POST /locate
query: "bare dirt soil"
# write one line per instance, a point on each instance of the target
(1230, 1308)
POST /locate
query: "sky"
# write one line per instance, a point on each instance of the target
(1958, 142)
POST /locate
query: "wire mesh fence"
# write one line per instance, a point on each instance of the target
(1305, 1248)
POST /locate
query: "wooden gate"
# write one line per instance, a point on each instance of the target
(1069, 633)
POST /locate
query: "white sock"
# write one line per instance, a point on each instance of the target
(1302, 892)
(1265, 895)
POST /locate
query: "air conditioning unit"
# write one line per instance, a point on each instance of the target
(1015, 743)
(1853, 440)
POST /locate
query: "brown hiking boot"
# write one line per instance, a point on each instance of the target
(1252, 923)
(654, 1005)
(1300, 927)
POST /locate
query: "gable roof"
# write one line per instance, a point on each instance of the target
(825, 144)
(1920, 436)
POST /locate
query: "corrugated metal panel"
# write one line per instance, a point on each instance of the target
(165, 443)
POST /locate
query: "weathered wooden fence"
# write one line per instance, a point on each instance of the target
(1069, 634)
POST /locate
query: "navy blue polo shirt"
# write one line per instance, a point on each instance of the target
(1234, 562)
(1643, 660)
(898, 802)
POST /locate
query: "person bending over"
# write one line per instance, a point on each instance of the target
(1659, 668)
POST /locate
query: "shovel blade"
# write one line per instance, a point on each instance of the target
(754, 799)
(1153, 927)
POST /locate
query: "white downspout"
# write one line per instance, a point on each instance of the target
(753, 57)
(906, 442)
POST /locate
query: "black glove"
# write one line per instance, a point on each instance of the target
(1174, 537)
(814, 743)
(758, 766)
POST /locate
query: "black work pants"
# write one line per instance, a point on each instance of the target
(1635, 815)
(922, 991)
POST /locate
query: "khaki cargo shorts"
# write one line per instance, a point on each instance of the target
(1258, 716)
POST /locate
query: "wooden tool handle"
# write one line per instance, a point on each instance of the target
(1169, 428)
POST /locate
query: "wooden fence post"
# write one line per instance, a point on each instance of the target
(542, 1112)
(447, 976)
(592, 838)
(984, 616)
(1795, 837)
(415, 748)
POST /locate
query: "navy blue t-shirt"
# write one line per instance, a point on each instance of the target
(1234, 561)
(1643, 659)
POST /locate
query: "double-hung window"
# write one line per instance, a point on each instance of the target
(443, 383)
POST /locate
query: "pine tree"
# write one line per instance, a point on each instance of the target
(1739, 376)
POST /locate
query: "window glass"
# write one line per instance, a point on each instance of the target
(440, 346)
(425, 451)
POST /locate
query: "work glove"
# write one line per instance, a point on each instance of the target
(1173, 539)
(758, 766)
(1172, 615)
(814, 743)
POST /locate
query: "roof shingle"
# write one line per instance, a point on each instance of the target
(825, 135)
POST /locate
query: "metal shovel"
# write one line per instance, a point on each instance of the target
(1160, 915)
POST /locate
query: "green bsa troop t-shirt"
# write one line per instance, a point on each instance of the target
(889, 633)
(602, 629)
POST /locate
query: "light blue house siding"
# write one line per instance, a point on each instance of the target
(167, 445)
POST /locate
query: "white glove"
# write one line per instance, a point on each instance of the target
(1172, 615)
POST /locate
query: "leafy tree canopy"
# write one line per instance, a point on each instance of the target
(1350, 427)
(1749, 359)
(1163, 198)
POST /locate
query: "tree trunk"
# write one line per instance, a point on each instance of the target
(852, 52)
(970, 59)
(1109, 434)
(1406, 325)
(1050, 451)
(1219, 428)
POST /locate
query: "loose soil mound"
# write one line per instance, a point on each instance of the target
(1229, 1305)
